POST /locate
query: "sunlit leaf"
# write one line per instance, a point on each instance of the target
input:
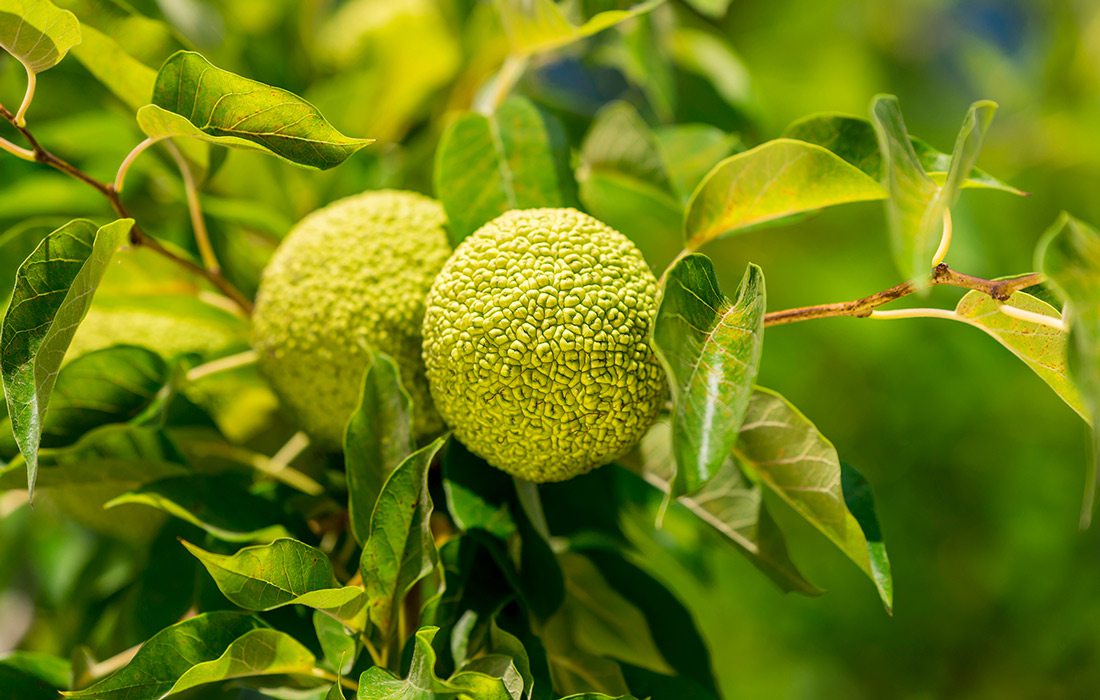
(535, 26)
(37, 33)
(53, 289)
(379, 436)
(260, 652)
(487, 165)
(401, 549)
(193, 98)
(219, 504)
(854, 140)
(775, 180)
(285, 572)
(786, 452)
(710, 348)
(170, 654)
(1070, 257)
(1041, 347)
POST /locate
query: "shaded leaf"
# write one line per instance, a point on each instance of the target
(785, 451)
(711, 350)
(773, 181)
(401, 549)
(53, 289)
(854, 140)
(379, 436)
(285, 572)
(689, 151)
(32, 676)
(339, 646)
(1042, 348)
(171, 653)
(37, 33)
(1069, 255)
(487, 165)
(221, 505)
(195, 99)
(478, 496)
(535, 26)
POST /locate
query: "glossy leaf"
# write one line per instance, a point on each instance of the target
(1041, 347)
(379, 436)
(170, 654)
(195, 99)
(854, 140)
(37, 33)
(535, 26)
(285, 572)
(773, 181)
(401, 549)
(710, 348)
(487, 165)
(783, 450)
(1070, 257)
(730, 504)
(53, 289)
(219, 504)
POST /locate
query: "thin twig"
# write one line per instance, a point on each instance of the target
(138, 237)
(942, 275)
(223, 364)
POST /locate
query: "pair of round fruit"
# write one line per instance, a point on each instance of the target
(530, 341)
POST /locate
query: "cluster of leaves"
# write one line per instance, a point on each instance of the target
(303, 574)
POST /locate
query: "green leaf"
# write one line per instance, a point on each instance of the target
(339, 646)
(170, 654)
(195, 99)
(487, 165)
(401, 549)
(128, 78)
(773, 181)
(623, 183)
(689, 151)
(260, 652)
(113, 385)
(711, 350)
(478, 496)
(1041, 347)
(37, 33)
(917, 204)
(1069, 255)
(285, 572)
(730, 504)
(854, 140)
(32, 676)
(479, 643)
(53, 289)
(379, 436)
(535, 26)
(220, 504)
(783, 450)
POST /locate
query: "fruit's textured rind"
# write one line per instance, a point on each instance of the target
(536, 344)
(348, 279)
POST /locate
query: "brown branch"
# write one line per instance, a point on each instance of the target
(942, 276)
(138, 237)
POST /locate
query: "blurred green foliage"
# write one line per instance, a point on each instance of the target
(974, 462)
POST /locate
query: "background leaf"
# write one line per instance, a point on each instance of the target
(196, 99)
(775, 180)
(535, 26)
(37, 33)
(487, 165)
(711, 351)
(53, 289)
(1069, 255)
(379, 436)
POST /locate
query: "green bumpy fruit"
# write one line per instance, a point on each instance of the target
(536, 344)
(349, 279)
